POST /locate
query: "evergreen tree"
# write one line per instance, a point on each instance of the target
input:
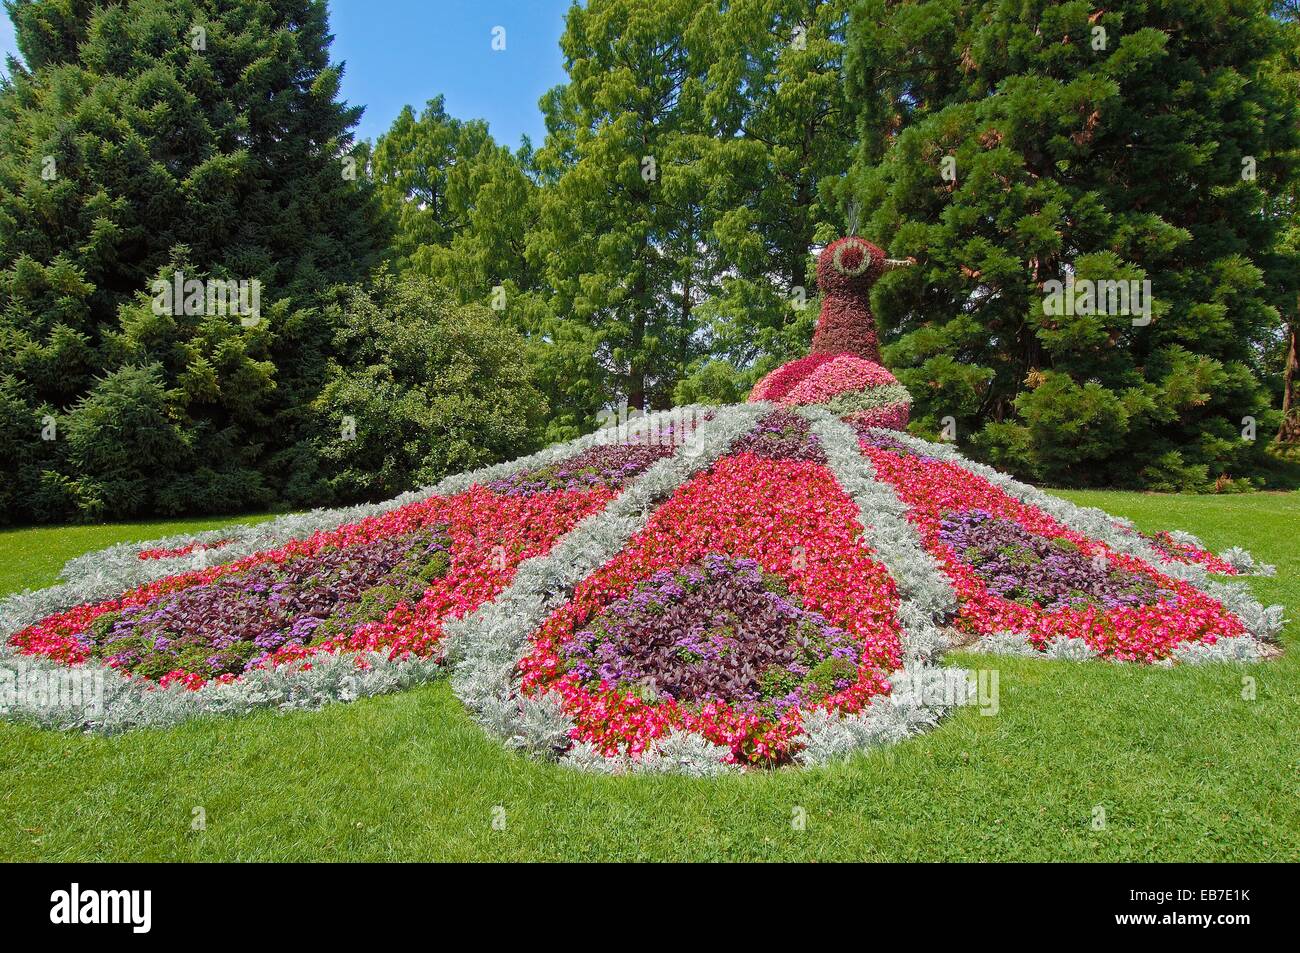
(464, 206)
(135, 136)
(1286, 205)
(1009, 145)
(462, 203)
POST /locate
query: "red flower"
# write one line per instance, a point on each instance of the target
(792, 518)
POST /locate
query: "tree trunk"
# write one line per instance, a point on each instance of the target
(1290, 430)
(636, 365)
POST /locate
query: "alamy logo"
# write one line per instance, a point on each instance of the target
(213, 297)
(670, 428)
(31, 688)
(134, 907)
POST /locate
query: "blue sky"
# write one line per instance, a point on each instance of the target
(408, 51)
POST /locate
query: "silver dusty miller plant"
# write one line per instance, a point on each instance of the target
(486, 646)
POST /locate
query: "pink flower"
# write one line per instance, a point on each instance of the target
(1146, 633)
(791, 517)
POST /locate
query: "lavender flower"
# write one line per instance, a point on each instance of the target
(1036, 570)
(720, 629)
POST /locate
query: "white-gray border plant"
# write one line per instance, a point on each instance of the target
(337, 677)
(1263, 623)
(486, 646)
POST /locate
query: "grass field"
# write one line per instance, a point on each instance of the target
(1182, 765)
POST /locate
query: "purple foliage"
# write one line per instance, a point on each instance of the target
(231, 624)
(1050, 572)
(883, 441)
(782, 435)
(719, 629)
(609, 465)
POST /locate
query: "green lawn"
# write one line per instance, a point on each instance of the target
(32, 558)
(1183, 766)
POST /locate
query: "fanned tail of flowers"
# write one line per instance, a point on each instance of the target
(749, 597)
(1018, 570)
(383, 584)
(738, 587)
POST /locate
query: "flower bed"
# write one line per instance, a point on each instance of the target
(782, 435)
(1051, 572)
(718, 630)
(1000, 555)
(239, 621)
(749, 603)
(387, 583)
(752, 539)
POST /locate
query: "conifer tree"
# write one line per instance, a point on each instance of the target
(778, 125)
(622, 234)
(1010, 145)
(135, 136)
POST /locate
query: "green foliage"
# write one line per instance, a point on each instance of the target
(712, 382)
(680, 199)
(429, 386)
(782, 126)
(139, 136)
(621, 222)
(461, 203)
(656, 249)
(1098, 157)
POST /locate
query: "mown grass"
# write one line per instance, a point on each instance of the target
(1182, 765)
(32, 557)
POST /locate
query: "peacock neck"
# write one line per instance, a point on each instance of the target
(846, 325)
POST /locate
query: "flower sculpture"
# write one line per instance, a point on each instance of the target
(717, 589)
(842, 370)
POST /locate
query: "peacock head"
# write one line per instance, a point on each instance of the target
(853, 265)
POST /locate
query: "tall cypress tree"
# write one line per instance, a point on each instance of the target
(621, 225)
(142, 136)
(1012, 144)
(778, 125)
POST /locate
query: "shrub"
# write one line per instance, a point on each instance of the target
(421, 387)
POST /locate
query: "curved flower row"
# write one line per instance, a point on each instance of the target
(1189, 554)
(609, 466)
(850, 387)
(845, 374)
(776, 385)
(172, 553)
(892, 416)
(937, 491)
(489, 534)
(789, 517)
